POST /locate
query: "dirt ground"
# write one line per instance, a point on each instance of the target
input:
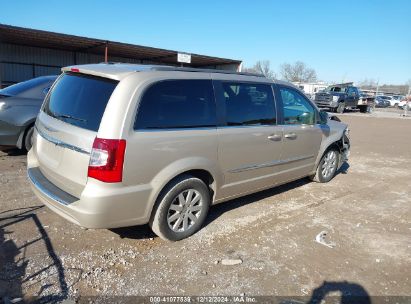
(365, 210)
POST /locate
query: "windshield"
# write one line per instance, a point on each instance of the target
(334, 89)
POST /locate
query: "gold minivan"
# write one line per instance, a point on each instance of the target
(120, 144)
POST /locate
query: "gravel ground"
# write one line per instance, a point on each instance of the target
(261, 244)
(381, 113)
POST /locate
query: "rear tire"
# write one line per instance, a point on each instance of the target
(365, 109)
(181, 208)
(327, 166)
(28, 138)
(341, 107)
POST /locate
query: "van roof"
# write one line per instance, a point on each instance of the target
(119, 71)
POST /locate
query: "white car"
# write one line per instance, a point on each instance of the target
(396, 100)
(404, 102)
(391, 100)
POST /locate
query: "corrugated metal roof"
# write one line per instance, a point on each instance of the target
(45, 39)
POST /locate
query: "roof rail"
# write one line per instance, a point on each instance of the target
(154, 67)
(184, 69)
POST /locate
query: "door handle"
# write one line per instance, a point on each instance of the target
(274, 137)
(290, 136)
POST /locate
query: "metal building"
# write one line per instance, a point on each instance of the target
(26, 53)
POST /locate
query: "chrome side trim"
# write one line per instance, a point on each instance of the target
(247, 126)
(257, 166)
(175, 129)
(61, 143)
(31, 174)
(49, 129)
(203, 128)
(270, 164)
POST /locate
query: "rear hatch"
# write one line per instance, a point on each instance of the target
(67, 126)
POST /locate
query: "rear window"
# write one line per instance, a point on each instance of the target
(80, 100)
(177, 104)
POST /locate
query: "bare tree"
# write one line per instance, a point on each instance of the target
(368, 83)
(298, 72)
(371, 84)
(262, 67)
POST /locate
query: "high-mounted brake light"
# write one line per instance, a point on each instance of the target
(75, 70)
(107, 159)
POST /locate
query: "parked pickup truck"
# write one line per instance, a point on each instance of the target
(343, 96)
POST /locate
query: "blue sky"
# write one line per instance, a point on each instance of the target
(342, 40)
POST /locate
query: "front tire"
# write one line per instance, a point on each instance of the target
(181, 208)
(340, 108)
(328, 166)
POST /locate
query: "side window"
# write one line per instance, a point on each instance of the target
(352, 91)
(248, 104)
(177, 104)
(296, 108)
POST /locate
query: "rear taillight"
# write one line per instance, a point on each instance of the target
(106, 160)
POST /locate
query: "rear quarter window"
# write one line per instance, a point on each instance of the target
(177, 104)
(80, 100)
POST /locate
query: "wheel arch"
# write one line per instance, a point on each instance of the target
(201, 172)
(336, 142)
(204, 175)
(27, 125)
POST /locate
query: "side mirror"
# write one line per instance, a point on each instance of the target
(305, 118)
(323, 117)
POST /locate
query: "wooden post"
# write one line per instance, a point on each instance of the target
(106, 53)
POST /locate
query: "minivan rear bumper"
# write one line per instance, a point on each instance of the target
(92, 209)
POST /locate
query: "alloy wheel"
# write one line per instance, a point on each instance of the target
(329, 165)
(185, 210)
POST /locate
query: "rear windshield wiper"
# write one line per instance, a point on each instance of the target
(70, 117)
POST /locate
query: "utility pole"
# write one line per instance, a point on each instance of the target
(407, 101)
(378, 84)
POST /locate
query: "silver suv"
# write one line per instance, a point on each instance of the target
(119, 145)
